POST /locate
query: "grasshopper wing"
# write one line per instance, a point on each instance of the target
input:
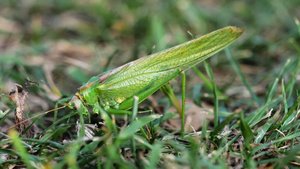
(149, 73)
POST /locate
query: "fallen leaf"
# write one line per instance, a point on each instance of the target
(194, 119)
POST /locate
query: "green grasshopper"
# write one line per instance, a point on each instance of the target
(114, 91)
(117, 88)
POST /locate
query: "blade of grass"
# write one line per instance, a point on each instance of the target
(223, 124)
(288, 137)
(119, 112)
(256, 116)
(44, 137)
(134, 113)
(291, 155)
(71, 157)
(110, 57)
(135, 108)
(154, 156)
(291, 110)
(260, 135)
(273, 89)
(41, 142)
(208, 84)
(108, 121)
(143, 141)
(222, 149)
(284, 97)
(216, 101)
(134, 126)
(18, 146)
(291, 85)
(82, 128)
(246, 130)
(241, 75)
(6, 115)
(204, 130)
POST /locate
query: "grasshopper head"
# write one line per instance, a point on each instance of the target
(75, 103)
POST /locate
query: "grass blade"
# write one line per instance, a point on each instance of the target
(216, 101)
(260, 135)
(154, 156)
(209, 84)
(134, 126)
(291, 155)
(241, 75)
(246, 130)
(21, 151)
(223, 124)
(288, 137)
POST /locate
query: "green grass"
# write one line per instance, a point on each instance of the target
(251, 87)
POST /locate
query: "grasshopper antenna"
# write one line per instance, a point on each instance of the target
(35, 117)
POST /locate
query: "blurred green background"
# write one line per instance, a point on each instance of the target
(61, 44)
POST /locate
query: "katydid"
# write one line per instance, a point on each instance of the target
(142, 77)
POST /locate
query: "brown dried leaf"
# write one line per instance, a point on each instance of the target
(195, 117)
(19, 97)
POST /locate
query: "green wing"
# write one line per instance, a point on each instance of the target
(143, 74)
